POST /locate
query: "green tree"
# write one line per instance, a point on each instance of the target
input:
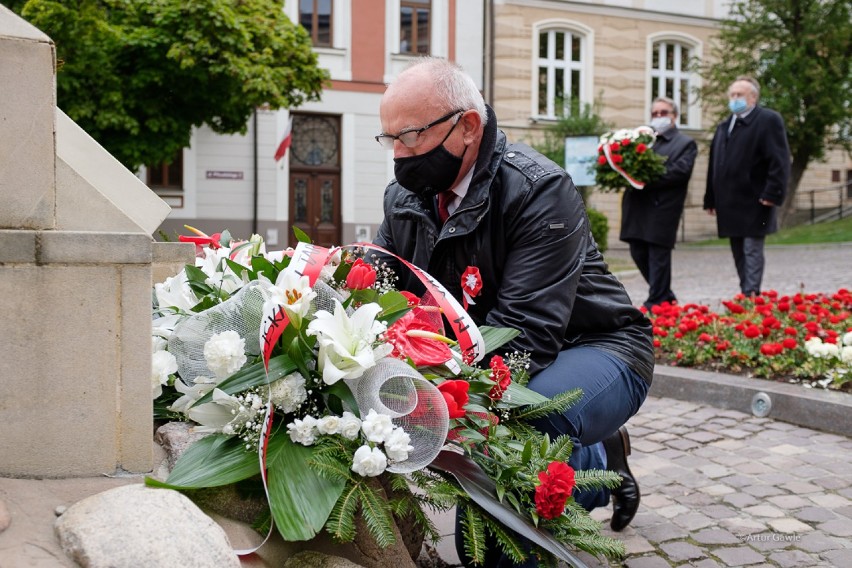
(138, 75)
(801, 53)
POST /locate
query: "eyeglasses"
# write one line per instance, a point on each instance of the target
(657, 113)
(411, 138)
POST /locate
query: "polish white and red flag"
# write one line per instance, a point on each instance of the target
(285, 142)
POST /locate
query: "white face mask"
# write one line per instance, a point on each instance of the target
(660, 123)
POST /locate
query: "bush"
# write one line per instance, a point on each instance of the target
(600, 227)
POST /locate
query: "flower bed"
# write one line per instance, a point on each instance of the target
(362, 384)
(804, 338)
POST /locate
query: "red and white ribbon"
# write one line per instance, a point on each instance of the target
(608, 153)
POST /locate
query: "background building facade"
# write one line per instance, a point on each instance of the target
(528, 57)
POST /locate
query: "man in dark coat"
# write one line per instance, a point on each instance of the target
(747, 179)
(465, 197)
(650, 216)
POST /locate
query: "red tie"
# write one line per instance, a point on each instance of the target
(444, 200)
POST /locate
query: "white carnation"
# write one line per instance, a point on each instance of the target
(846, 354)
(303, 431)
(289, 393)
(398, 445)
(847, 338)
(225, 353)
(329, 424)
(163, 364)
(369, 462)
(350, 426)
(377, 427)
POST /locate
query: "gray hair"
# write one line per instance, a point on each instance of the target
(668, 101)
(452, 85)
(755, 86)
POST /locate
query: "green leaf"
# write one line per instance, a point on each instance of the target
(496, 337)
(300, 499)
(263, 266)
(341, 391)
(212, 461)
(252, 376)
(239, 269)
(527, 453)
(301, 235)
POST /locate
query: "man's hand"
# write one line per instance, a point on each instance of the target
(766, 203)
(711, 211)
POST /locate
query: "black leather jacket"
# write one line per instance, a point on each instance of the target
(523, 224)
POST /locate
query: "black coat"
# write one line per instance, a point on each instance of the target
(523, 224)
(750, 165)
(652, 214)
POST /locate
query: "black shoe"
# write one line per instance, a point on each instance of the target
(625, 498)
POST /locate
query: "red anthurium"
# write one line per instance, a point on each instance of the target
(201, 239)
(455, 395)
(554, 489)
(424, 348)
(361, 276)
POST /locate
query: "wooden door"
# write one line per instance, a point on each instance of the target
(315, 178)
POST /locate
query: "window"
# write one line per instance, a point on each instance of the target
(670, 75)
(414, 32)
(561, 75)
(315, 16)
(167, 176)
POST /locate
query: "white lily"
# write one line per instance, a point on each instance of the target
(346, 343)
(175, 293)
(225, 414)
(294, 294)
(200, 386)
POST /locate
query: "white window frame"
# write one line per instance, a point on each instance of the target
(439, 39)
(584, 66)
(337, 59)
(691, 114)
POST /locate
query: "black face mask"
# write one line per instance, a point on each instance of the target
(431, 173)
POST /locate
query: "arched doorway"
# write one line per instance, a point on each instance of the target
(315, 178)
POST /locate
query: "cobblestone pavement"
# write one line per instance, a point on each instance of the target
(723, 488)
(706, 275)
(720, 487)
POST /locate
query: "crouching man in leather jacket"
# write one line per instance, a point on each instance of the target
(519, 219)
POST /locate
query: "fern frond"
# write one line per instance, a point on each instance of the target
(341, 521)
(376, 514)
(507, 541)
(473, 533)
(557, 404)
(596, 478)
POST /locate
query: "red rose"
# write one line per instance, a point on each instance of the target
(501, 375)
(554, 489)
(455, 395)
(640, 148)
(601, 160)
(789, 343)
(625, 141)
(361, 276)
(771, 349)
(751, 331)
(615, 147)
(617, 159)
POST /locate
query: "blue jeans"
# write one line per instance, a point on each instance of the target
(612, 393)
